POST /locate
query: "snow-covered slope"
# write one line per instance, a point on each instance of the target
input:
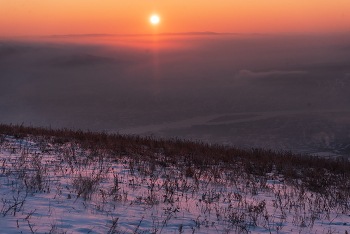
(64, 188)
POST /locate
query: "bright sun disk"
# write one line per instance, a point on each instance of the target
(154, 19)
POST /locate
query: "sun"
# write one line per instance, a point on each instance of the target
(154, 19)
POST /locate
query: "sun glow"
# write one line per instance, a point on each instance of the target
(64, 17)
(154, 19)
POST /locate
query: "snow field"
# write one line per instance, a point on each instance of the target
(63, 188)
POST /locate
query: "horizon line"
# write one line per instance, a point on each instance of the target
(194, 33)
(205, 33)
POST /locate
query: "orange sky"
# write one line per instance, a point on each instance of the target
(41, 17)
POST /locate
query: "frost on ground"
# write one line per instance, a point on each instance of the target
(51, 186)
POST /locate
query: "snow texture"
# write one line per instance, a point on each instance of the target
(47, 188)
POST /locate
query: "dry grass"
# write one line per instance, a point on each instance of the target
(309, 185)
(315, 173)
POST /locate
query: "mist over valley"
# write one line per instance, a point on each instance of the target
(280, 92)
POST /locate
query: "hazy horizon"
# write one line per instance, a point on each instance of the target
(284, 92)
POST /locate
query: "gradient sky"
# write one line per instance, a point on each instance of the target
(38, 17)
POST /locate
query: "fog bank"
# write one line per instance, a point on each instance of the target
(274, 91)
